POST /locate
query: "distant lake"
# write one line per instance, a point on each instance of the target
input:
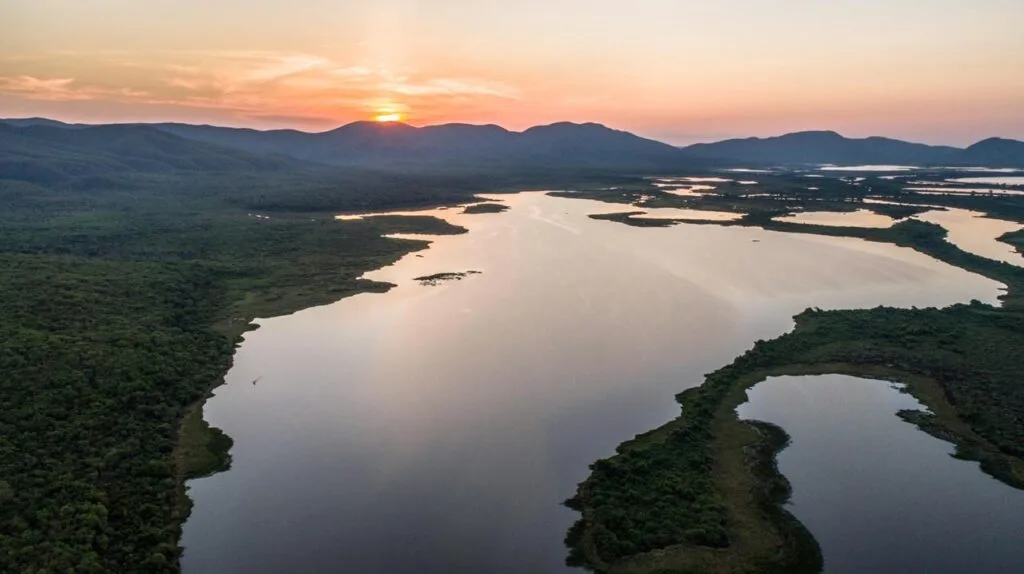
(975, 233)
(858, 218)
(993, 180)
(879, 495)
(867, 168)
(439, 428)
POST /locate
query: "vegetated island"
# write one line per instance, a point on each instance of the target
(489, 207)
(703, 492)
(438, 278)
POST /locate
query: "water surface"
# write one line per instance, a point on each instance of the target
(867, 168)
(879, 495)
(858, 218)
(950, 190)
(975, 233)
(438, 428)
(993, 180)
(684, 214)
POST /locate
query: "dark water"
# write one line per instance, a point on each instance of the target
(438, 429)
(879, 495)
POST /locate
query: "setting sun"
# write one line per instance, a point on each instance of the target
(388, 117)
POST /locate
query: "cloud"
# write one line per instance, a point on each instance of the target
(449, 87)
(252, 84)
(52, 89)
(63, 89)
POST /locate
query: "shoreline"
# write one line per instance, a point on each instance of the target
(202, 450)
(764, 537)
(770, 489)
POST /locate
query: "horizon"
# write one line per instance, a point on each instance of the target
(679, 72)
(385, 123)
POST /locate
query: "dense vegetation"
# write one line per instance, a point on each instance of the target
(128, 269)
(109, 336)
(702, 473)
(131, 260)
(130, 263)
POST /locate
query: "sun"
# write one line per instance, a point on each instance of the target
(388, 117)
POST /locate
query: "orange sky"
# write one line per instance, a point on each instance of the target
(676, 70)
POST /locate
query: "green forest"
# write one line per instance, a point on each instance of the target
(121, 302)
(114, 323)
(131, 264)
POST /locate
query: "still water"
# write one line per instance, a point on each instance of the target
(867, 168)
(977, 234)
(879, 495)
(1004, 180)
(858, 218)
(438, 428)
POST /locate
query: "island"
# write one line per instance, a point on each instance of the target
(438, 278)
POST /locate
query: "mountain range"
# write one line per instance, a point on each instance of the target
(41, 149)
(828, 147)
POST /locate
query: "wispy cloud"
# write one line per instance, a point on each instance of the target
(449, 87)
(62, 89)
(251, 84)
(41, 88)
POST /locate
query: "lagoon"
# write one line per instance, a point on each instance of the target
(878, 494)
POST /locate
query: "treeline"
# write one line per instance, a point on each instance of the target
(119, 309)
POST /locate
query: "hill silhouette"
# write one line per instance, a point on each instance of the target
(43, 153)
(460, 147)
(829, 147)
(372, 144)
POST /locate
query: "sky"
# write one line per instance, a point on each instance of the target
(937, 71)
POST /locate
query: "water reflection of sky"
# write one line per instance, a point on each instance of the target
(438, 428)
(879, 495)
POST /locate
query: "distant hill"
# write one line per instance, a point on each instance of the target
(371, 144)
(26, 122)
(449, 146)
(43, 153)
(562, 146)
(818, 147)
(360, 166)
(994, 152)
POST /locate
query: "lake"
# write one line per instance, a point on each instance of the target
(879, 495)
(439, 428)
(993, 180)
(975, 233)
(858, 218)
(867, 168)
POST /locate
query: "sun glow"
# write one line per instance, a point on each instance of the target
(388, 117)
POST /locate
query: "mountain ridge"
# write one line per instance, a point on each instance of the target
(564, 145)
(820, 147)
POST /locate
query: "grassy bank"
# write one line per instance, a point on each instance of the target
(691, 496)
